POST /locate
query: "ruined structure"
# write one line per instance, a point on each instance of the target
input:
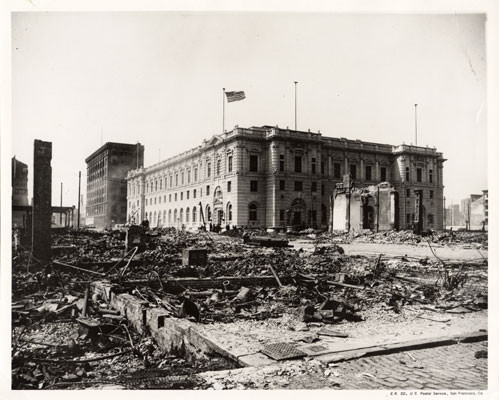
(373, 207)
(276, 178)
(107, 169)
(42, 201)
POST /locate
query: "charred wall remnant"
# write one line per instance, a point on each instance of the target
(42, 200)
(373, 207)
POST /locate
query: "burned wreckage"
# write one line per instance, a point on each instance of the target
(166, 308)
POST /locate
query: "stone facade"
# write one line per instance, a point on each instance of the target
(271, 177)
(107, 169)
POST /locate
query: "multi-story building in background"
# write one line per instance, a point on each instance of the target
(486, 207)
(272, 177)
(19, 191)
(107, 169)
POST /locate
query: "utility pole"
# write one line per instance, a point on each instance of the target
(79, 199)
(296, 125)
(416, 121)
(60, 213)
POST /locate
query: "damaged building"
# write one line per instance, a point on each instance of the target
(277, 178)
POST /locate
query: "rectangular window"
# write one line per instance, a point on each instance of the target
(155, 200)
(314, 187)
(188, 176)
(297, 163)
(337, 170)
(175, 196)
(407, 173)
(383, 174)
(353, 171)
(176, 179)
(323, 166)
(208, 170)
(253, 163)
(194, 194)
(219, 166)
(159, 200)
(431, 176)
(282, 185)
(229, 186)
(181, 196)
(408, 192)
(187, 195)
(195, 174)
(281, 162)
(323, 190)
(171, 181)
(281, 215)
(170, 198)
(431, 194)
(298, 186)
(419, 174)
(164, 198)
(229, 164)
(254, 186)
(207, 190)
(368, 172)
(314, 166)
(182, 177)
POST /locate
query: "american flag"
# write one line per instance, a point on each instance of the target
(235, 96)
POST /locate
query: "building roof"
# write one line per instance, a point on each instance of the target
(109, 145)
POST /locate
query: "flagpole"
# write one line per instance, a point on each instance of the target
(223, 111)
(416, 121)
(295, 106)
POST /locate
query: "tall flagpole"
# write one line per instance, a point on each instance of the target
(223, 111)
(295, 106)
(416, 121)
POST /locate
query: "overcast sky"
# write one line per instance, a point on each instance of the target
(157, 78)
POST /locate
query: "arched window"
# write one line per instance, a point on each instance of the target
(169, 216)
(161, 184)
(175, 216)
(253, 212)
(187, 215)
(181, 215)
(194, 214)
(229, 212)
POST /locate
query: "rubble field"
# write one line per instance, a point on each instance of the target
(247, 290)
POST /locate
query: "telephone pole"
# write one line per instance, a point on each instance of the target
(79, 197)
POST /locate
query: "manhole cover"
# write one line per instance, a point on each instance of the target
(282, 351)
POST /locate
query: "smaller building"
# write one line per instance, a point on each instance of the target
(19, 191)
(107, 169)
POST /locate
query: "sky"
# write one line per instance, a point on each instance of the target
(82, 79)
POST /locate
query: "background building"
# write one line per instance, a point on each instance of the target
(107, 169)
(272, 177)
(19, 191)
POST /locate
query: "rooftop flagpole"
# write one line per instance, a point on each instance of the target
(416, 121)
(223, 110)
(296, 126)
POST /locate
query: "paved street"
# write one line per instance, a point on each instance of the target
(441, 368)
(451, 367)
